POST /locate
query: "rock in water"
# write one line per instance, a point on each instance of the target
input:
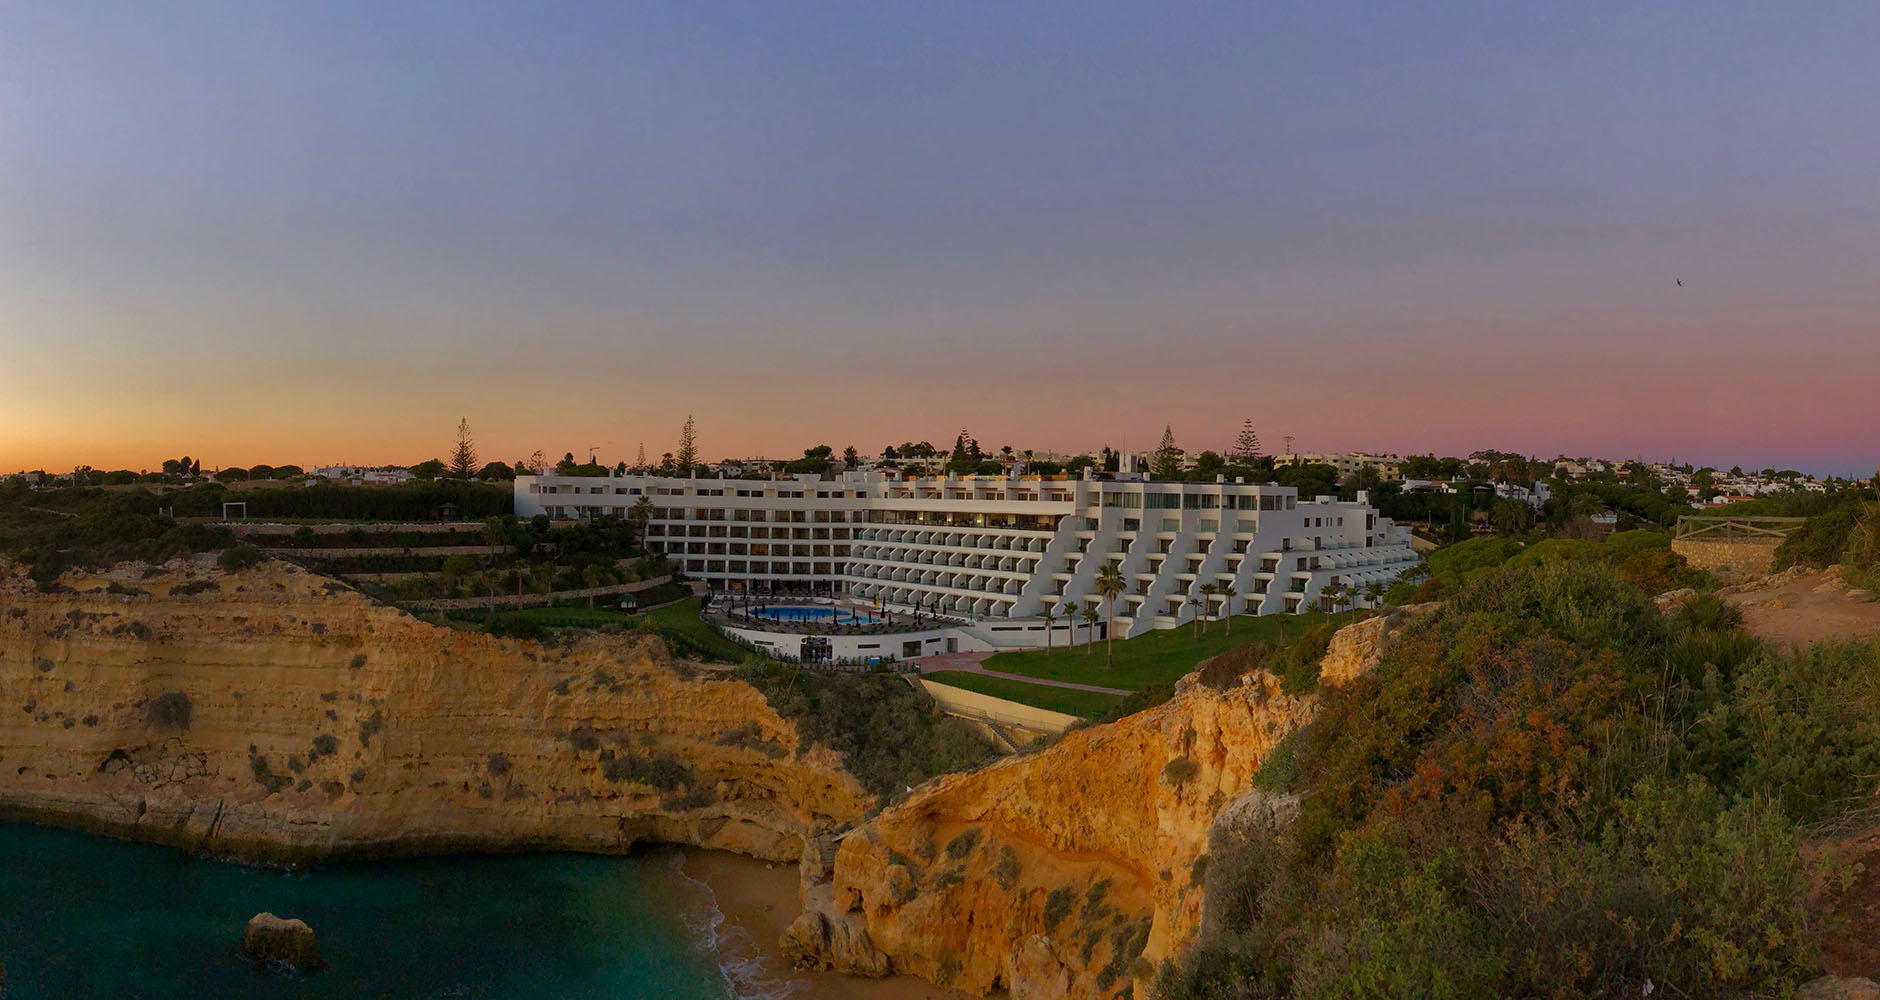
(272, 939)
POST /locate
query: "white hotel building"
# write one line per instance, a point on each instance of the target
(991, 548)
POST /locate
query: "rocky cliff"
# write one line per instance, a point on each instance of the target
(1068, 872)
(274, 714)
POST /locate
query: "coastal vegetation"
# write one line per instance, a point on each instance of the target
(52, 531)
(890, 735)
(1547, 788)
(1642, 558)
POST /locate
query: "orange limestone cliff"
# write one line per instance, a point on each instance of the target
(275, 714)
(1072, 871)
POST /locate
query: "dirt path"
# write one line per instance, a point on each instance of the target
(1797, 607)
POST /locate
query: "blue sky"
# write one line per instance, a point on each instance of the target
(1376, 226)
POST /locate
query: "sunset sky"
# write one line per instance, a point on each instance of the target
(313, 233)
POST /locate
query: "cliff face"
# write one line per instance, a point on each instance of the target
(273, 714)
(1069, 872)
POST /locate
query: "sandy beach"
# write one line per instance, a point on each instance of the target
(759, 900)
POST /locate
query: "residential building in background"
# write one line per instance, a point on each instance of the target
(1349, 463)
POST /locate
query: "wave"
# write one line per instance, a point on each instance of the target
(740, 961)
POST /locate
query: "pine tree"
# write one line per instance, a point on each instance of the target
(1247, 446)
(639, 464)
(1167, 463)
(463, 458)
(963, 458)
(687, 456)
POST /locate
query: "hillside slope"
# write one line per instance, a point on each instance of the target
(1071, 871)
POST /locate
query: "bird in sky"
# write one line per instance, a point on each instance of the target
(1680, 282)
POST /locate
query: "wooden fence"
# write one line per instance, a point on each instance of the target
(1719, 528)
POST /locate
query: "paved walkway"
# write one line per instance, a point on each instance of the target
(971, 663)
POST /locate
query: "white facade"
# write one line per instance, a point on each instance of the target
(1349, 463)
(989, 548)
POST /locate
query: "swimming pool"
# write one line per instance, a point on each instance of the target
(834, 616)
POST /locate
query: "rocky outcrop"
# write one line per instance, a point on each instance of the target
(1072, 871)
(1356, 649)
(1837, 988)
(274, 714)
(272, 939)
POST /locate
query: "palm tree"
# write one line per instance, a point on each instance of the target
(1050, 620)
(1374, 592)
(495, 533)
(1345, 595)
(641, 512)
(1109, 585)
(1090, 627)
(1226, 590)
(591, 575)
(1200, 604)
(1208, 590)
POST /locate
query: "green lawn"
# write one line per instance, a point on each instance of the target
(1055, 699)
(1157, 657)
(681, 621)
(678, 623)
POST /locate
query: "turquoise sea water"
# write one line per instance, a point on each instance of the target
(84, 916)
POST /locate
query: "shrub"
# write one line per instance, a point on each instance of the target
(750, 736)
(169, 710)
(238, 556)
(1057, 905)
(370, 726)
(1006, 871)
(1821, 541)
(1180, 771)
(963, 844)
(1304, 657)
(659, 770)
(1223, 670)
(1801, 727)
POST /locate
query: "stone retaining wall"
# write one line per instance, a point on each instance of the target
(1734, 558)
(973, 705)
